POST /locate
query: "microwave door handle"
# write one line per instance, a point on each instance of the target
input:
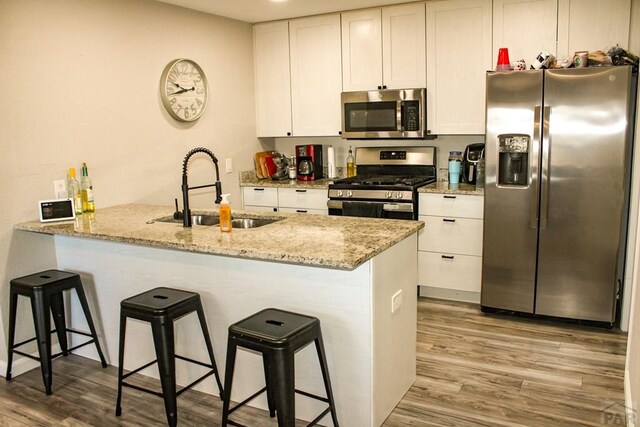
(400, 116)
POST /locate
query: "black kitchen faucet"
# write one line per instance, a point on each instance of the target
(186, 213)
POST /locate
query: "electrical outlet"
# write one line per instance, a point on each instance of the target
(60, 189)
(396, 301)
(229, 165)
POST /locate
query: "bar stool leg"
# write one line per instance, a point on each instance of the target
(322, 358)
(281, 364)
(268, 382)
(163, 341)
(87, 314)
(123, 328)
(13, 308)
(228, 379)
(207, 340)
(57, 309)
(41, 319)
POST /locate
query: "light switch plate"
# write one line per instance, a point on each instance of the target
(228, 165)
(60, 189)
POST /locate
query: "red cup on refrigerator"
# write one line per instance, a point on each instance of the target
(503, 60)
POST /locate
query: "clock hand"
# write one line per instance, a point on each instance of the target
(182, 90)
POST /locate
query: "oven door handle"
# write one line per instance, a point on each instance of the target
(386, 206)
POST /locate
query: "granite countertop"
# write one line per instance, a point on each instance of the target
(249, 179)
(315, 240)
(446, 188)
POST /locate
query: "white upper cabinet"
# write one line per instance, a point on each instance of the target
(458, 55)
(316, 78)
(361, 50)
(403, 46)
(592, 25)
(525, 27)
(273, 89)
(384, 48)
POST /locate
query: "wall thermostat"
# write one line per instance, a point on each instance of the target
(56, 210)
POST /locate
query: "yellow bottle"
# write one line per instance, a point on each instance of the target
(351, 166)
(225, 214)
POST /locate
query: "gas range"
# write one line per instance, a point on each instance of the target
(387, 183)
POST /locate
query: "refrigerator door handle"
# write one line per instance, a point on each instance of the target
(544, 173)
(533, 165)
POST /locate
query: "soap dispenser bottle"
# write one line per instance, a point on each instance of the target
(225, 214)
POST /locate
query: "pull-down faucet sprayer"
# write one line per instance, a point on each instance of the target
(186, 214)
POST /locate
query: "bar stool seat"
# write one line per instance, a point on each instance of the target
(161, 307)
(278, 335)
(45, 290)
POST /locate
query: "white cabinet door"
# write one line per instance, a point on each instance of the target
(525, 27)
(260, 196)
(316, 75)
(458, 55)
(451, 235)
(451, 205)
(361, 50)
(272, 80)
(302, 198)
(449, 271)
(592, 25)
(403, 46)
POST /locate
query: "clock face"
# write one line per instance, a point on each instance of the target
(183, 90)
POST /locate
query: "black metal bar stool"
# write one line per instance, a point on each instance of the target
(161, 307)
(278, 335)
(45, 290)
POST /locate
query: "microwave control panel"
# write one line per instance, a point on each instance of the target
(411, 117)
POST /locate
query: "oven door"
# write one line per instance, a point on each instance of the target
(369, 209)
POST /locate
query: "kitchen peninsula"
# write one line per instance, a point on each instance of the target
(345, 271)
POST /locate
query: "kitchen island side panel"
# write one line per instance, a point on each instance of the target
(232, 289)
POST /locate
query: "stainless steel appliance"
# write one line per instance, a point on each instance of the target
(400, 113)
(470, 159)
(386, 184)
(558, 150)
(309, 163)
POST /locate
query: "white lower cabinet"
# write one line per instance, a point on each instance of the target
(450, 246)
(287, 200)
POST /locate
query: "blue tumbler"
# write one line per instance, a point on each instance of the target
(455, 166)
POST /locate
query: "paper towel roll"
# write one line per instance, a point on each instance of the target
(331, 162)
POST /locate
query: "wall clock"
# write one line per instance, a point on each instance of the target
(183, 90)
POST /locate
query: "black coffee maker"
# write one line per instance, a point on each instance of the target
(472, 155)
(309, 163)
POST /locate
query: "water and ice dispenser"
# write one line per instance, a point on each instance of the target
(513, 161)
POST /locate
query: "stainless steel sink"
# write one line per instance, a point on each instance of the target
(195, 219)
(214, 220)
(251, 222)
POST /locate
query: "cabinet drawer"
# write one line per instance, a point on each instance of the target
(451, 235)
(260, 196)
(456, 205)
(458, 272)
(260, 208)
(305, 211)
(302, 198)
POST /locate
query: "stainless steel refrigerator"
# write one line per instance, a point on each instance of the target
(558, 159)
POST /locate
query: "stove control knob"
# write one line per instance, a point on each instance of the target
(399, 195)
(350, 194)
(340, 193)
(389, 194)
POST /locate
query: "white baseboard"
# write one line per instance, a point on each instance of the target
(629, 401)
(20, 366)
(450, 294)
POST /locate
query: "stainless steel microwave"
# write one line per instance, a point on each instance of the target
(394, 113)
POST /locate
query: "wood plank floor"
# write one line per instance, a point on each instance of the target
(474, 369)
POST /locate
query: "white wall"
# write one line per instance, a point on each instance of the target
(80, 84)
